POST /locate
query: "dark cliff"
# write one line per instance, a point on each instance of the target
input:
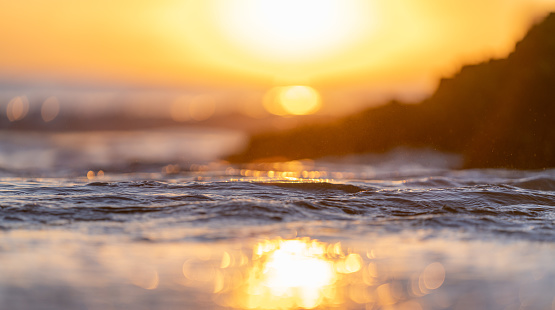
(499, 113)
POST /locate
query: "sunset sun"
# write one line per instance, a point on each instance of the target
(292, 100)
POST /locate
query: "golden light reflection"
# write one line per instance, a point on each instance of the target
(290, 271)
(199, 273)
(385, 295)
(433, 276)
(145, 277)
(226, 260)
(307, 273)
(288, 274)
(296, 170)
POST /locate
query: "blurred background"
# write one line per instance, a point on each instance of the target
(237, 67)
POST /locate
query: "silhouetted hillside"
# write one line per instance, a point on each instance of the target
(499, 113)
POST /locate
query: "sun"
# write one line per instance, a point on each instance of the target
(292, 100)
(289, 30)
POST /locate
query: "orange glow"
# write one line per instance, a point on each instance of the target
(389, 45)
(300, 100)
(271, 102)
(296, 265)
(307, 273)
(222, 272)
(292, 30)
(179, 110)
(202, 108)
(295, 100)
(288, 274)
(226, 260)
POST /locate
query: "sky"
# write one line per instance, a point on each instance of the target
(340, 47)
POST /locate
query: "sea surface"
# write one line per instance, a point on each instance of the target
(157, 220)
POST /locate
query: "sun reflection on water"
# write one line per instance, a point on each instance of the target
(287, 274)
(387, 272)
(307, 273)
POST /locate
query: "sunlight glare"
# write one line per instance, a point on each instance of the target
(294, 100)
(289, 273)
(295, 265)
(300, 100)
(291, 29)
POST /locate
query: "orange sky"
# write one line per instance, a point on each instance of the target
(353, 45)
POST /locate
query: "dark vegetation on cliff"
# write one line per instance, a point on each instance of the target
(500, 113)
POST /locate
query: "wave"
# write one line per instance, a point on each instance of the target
(316, 186)
(540, 183)
(522, 206)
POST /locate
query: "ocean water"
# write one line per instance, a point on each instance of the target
(156, 220)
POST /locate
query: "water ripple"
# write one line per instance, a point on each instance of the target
(521, 207)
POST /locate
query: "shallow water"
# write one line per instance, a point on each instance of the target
(403, 230)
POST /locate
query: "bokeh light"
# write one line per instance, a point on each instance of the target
(50, 109)
(202, 107)
(17, 108)
(179, 110)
